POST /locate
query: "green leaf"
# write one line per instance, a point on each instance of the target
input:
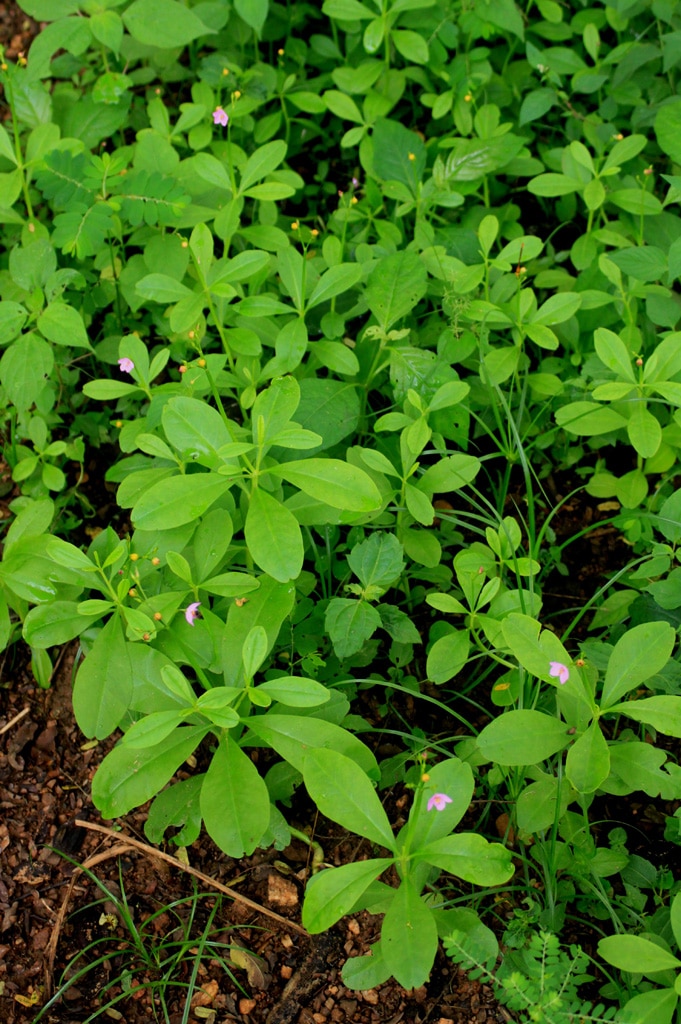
(333, 893)
(262, 162)
(523, 738)
(409, 937)
(347, 10)
(342, 791)
(195, 429)
(178, 805)
(635, 954)
(452, 777)
(394, 287)
(551, 185)
(471, 857)
(127, 777)
(377, 561)
(235, 803)
(449, 474)
(163, 23)
(613, 353)
(334, 282)
(447, 656)
(663, 713)
(654, 1007)
(162, 288)
(253, 12)
(641, 653)
(588, 760)
(332, 481)
(296, 692)
(292, 736)
(587, 419)
(399, 155)
(411, 46)
(349, 624)
(644, 430)
(343, 106)
(107, 390)
(24, 368)
(180, 500)
(103, 686)
(254, 650)
(645, 263)
(55, 622)
(153, 729)
(273, 536)
(636, 201)
(557, 309)
(668, 129)
(63, 325)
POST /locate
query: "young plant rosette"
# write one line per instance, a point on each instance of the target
(419, 852)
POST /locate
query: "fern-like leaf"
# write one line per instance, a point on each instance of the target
(150, 198)
(83, 229)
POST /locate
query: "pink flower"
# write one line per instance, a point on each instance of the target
(559, 671)
(126, 365)
(192, 612)
(220, 116)
(439, 801)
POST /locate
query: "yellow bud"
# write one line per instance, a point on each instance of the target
(412, 156)
(467, 98)
(294, 225)
(118, 423)
(314, 232)
(225, 71)
(132, 592)
(156, 561)
(158, 616)
(134, 557)
(185, 244)
(425, 777)
(280, 52)
(201, 362)
(236, 94)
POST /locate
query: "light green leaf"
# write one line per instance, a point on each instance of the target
(663, 713)
(235, 803)
(471, 857)
(332, 481)
(179, 500)
(409, 937)
(163, 23)
(128, 777)
(639, 654)
(333, 893)
(273, 537)
(262, 162)
(636, 954)
(342, 791)
(103, 686)
(588, 760)
(523, 737)
(447, 656)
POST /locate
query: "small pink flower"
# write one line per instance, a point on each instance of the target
(126, 365)
(559, 671)
(438, 801)
(192, 612)
(355, 182)
(220, 116)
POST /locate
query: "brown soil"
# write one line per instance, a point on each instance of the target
(45, 775)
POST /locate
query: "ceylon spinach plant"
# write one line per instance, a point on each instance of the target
(339, 301)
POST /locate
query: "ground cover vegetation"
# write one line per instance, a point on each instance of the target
(351, 300)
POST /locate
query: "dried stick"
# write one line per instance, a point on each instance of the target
(97, 858)
(152, 852)
(13, 721)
